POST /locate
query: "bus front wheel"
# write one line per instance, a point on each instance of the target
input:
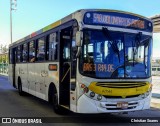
(56, 107)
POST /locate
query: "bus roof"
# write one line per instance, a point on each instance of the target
(70, 17)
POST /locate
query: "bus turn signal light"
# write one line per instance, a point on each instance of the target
(83, 86)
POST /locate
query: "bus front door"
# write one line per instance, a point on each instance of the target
(65, 67)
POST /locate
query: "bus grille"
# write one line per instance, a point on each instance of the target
(113, 106)
(121, 84)
(132, 96)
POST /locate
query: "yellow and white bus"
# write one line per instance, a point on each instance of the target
(91, 61)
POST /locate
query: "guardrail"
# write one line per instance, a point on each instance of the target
(3, 68)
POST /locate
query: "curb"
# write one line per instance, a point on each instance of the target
(6, 75)
(155, 102)
(155, 105)
(156, 95)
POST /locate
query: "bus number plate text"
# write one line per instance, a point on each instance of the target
(123, 105)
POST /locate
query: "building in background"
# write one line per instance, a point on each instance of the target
(156, 66)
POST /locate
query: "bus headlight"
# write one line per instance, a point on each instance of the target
(92, 94)
(143, 95)
(146, 94)
(149, 91)
(99, 97)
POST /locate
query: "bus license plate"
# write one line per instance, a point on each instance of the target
(123, 105)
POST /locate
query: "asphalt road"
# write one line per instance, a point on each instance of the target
(13, 105)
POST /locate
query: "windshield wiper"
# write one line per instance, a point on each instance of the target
(136, 44)
(143, 42)
(134, 52)
(113, 43)
(138, 39)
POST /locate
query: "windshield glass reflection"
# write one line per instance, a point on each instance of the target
(115, 55)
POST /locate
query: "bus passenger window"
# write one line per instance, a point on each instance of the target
(53, 46)
(41, 50)
(25, 53)
(10, 57)
(19, 56)
(31, 51)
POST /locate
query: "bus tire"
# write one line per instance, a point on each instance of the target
(20, 91)
(56, 107)
(53, 99)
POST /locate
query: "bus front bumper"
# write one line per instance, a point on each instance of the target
(88, 105)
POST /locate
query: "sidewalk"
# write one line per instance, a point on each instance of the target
(2, 74)
(155, 101)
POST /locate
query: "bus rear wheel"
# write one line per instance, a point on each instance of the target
(20, 91)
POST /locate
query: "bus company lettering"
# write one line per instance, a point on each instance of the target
(107, 91)
(98, 67)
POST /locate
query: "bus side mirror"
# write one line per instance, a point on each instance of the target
(78, 38)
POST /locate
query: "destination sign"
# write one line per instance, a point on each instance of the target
(117, 20)
(98, 67)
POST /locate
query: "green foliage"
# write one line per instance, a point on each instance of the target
(4, 58)
(3, 54)
(0, 59)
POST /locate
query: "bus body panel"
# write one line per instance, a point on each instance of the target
(31, 79)
(24, 76)
(39, 79)
(52, 77)
(10, 73)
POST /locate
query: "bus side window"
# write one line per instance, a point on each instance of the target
(19, 54)
(53, 46)
(32, 51)
(24, 52)
(41, 49)
(10, 56)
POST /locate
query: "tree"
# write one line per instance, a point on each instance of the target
(1, 46)
(0, 59)
(4, 49)
(3, 54)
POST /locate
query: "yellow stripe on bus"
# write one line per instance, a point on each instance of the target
(123, 92)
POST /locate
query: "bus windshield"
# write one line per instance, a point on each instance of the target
(115, 55)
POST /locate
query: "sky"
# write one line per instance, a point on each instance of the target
(32, 15)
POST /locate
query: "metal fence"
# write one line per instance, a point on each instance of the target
(4, 68)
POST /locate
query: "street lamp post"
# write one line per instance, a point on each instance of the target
(11, 19)
(12, 8)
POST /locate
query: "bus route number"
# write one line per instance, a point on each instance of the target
(98, 67)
